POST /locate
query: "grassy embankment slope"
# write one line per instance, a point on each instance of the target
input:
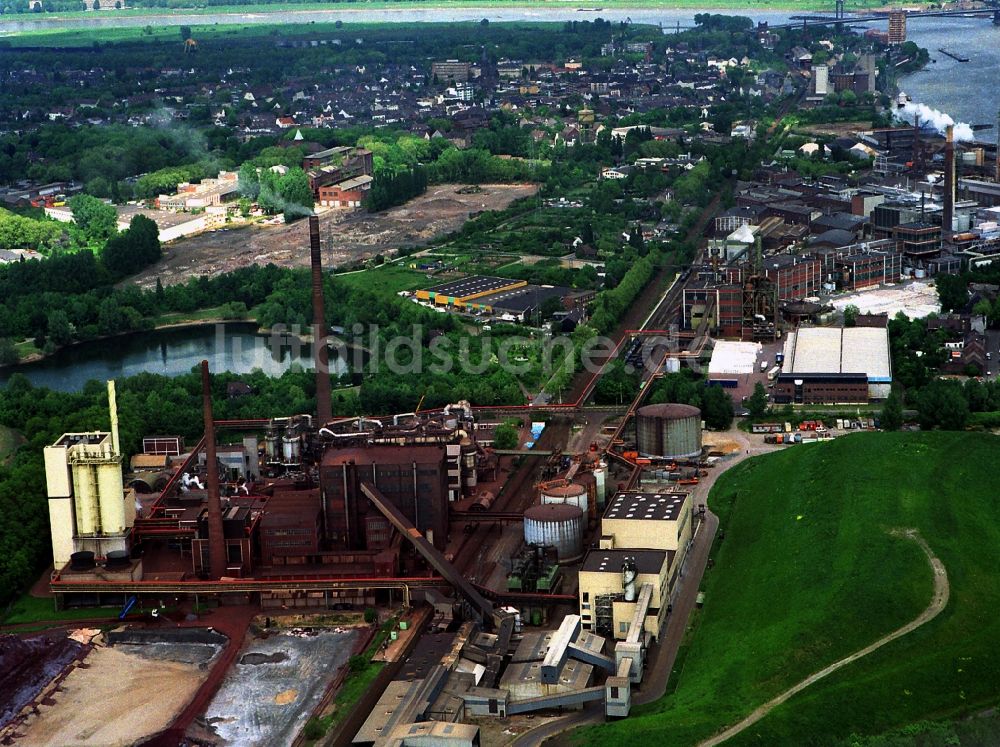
(808, 573)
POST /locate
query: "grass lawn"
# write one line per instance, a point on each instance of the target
(388, 279)
(180, 317)
(29, 609)
(807, 573)
(26, 348)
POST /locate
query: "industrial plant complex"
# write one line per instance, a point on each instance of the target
(640, 258)
(309, 513)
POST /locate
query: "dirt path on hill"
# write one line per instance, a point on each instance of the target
(939, 601)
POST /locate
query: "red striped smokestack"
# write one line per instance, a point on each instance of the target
(321, 356)
(947, 217)
(216, 537)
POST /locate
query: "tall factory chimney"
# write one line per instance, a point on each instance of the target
(216, 537)
(321, 356)
(113, 408)
(947, 217)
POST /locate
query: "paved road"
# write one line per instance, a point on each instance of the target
(993, 348)
(939, 601)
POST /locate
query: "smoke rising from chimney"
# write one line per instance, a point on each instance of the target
(938, 120)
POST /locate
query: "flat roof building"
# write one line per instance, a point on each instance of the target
(603, 604)
(460, 293)
(835, 365)
(660, 521)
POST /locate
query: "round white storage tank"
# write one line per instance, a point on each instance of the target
(672, 365)
(573, 494)
(669, 430)
(557, 524)
(919, 274)
(601, 475)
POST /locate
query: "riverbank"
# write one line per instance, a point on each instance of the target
(164, 322)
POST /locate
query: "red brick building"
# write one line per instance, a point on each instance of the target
(347, 194)
(290, 526)
(794, 277)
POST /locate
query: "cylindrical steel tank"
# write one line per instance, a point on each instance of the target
(588, 481)
(85, 499)
(117, 559)
(573, 494)
(601, 476)
(290, 449)
(558, 525)
(111, 498)
(272, 444)
(669, 430)
(81, 561)
(469, 478)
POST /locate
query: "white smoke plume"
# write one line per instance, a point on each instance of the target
(936, 119)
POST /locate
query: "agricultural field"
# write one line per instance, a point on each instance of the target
(811, 569)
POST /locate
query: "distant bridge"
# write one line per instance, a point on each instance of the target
(842, 19)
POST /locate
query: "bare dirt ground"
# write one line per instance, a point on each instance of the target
(347, 236)
(116, 699)
(837, 129)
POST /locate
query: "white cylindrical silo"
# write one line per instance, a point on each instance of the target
(573, 494)
(601, 476)
(85, 499)
(556, 524)
(111, 497)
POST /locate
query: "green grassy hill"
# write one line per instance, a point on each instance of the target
(808, 573)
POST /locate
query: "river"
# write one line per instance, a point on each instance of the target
(666, 17)
(967, 91)
(171, 352)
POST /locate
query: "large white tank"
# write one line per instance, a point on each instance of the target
(556, 524)
(85, 499)
(573, 494)
(111, 498)
(601, 476)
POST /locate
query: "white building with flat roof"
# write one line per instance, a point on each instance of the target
(841, 350)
